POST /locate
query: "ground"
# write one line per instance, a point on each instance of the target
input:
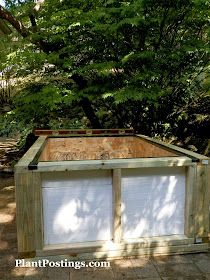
(180, 267)
(9, 153)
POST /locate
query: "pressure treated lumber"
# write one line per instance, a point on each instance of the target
(176, 148)
(25, 211)
(190, 201)
(202, 202)
(64, 159)
(112, 164)
(124, 252)
(208, 198)
(81, 132)
(96, 148)
(23, 163)
(117, 230)
(38, 211)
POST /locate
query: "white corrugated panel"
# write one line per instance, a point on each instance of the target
(153, 202)
(77, 207)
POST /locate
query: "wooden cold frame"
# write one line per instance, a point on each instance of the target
(101, 147)
(30, 217)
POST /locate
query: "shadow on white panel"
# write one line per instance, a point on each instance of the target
(153, 203)
(77, 213)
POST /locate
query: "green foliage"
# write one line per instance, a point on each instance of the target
(110, 43)
(36, 100)
(12, 127)
(140, 64)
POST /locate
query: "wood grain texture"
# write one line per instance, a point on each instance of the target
(117, 230)
(126, 247)
(38, 210)
(113, 164)
(125, 251)
(144, 242)
(174, 148)
(94, 157)
(208, 180)
(23, 163)
(83, 132)
(202, 202)
(190, 200)
(25, 211)
(93, 148)
(208, 196)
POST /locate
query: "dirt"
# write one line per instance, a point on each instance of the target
(8, 154)
(8, 239)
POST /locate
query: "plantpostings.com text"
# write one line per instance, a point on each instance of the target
(61, 263)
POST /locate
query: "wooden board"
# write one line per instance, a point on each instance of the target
(38, 210)
(82, 132)
(112, 164)
(24, 193)
(117, 230)
(202, 202)
(23, 163)
(93, 148)
(125, 251)
(175, 148)
(190, 200)
(208, 197)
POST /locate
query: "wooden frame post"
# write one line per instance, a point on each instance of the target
(117, 231)
(25, 213)
(38, 210)
(190, 201)
(208, 186)
(202, 202)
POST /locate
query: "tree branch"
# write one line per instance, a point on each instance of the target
(5, 14)
(46, 47)
(22, 30)
(33, 22)
(162, 25)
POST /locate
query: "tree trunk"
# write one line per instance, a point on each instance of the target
(89, 112)
(85, 103)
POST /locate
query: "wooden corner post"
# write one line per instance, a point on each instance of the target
(28, 208)
(25, 212)
(202, 202)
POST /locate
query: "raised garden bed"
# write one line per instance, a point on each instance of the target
(110, 193)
